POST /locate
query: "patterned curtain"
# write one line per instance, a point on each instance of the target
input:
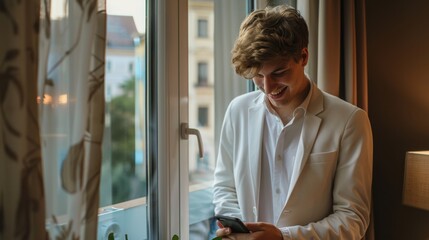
(71, 90)
(51, 117)
(22, 205)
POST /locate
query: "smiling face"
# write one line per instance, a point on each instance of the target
(284, 82)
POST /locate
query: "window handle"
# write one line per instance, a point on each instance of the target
(185, 131)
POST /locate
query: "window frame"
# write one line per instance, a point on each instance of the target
(167, 49)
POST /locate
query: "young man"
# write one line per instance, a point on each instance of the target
(294, 162)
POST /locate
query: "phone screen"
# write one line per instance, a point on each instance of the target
(236, 225)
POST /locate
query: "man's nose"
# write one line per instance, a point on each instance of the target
(268, 84)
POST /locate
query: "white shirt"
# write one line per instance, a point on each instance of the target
(279, 148)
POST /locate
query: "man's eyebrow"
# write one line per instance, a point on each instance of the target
(281, 68)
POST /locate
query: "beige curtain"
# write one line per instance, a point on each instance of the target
(337, 47)
(51, 117)
(22, 206)
(71, 88)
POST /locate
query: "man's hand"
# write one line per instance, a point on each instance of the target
(259, 231)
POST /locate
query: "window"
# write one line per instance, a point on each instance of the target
(130, 68)
(123, 187)
(109, 66)
(122, 171)
(202, 74)
(149, 174)
(203, 116)
(202, 28)
(211, 86)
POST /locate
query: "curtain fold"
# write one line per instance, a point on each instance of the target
(22, 206)
(337, 47)
(71, 88)
(51, 117)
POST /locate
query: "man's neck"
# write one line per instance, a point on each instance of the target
(286, 112)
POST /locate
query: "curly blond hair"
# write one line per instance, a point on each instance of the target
(267, 34)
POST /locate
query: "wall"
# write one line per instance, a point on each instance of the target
(398, 74)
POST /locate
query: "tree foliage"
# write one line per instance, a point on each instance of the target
(122, 112)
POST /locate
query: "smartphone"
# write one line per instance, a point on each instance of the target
(236, 225)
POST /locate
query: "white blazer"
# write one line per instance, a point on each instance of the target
(330, 190)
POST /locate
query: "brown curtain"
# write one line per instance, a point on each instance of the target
(338, 61)
(22, 206)
(337, 47)
(51, 117)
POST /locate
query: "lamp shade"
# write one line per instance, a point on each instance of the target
(416, 179)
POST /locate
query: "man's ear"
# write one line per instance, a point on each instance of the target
(304, 56)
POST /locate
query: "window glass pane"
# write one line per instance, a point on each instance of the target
(108, 66)
(211, 85)
(122, 154)
(203, 116)
(202, 73)
(130, 67)
(123, 187)
(202, 28)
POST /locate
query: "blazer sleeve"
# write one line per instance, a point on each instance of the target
(351, 187)
(224, 189)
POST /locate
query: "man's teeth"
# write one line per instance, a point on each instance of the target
(277, 91)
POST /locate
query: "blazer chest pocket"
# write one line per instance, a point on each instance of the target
(322, 157)
(318, 172)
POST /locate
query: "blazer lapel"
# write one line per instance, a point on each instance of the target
(256, 115)
(308, 136)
